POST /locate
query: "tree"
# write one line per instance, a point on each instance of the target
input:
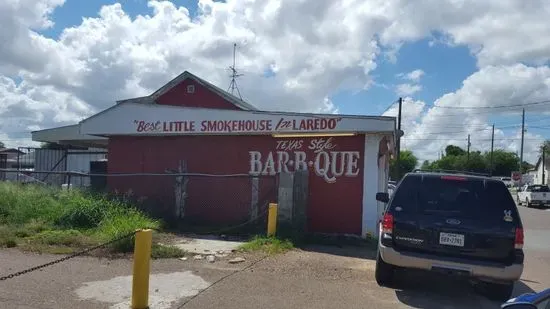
(2, 145)
(452, 150)
(526, 166)
(426, 165)
(458, 159)
(504, 163)
(407, 163)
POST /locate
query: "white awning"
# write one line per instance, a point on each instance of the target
(69, 135)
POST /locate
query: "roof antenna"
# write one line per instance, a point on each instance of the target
(233, 85)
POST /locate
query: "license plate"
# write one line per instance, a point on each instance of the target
(451, 239)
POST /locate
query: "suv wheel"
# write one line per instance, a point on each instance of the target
(384, 272)
(500, 292)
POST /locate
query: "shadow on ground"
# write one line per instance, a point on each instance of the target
(340, 246)
(347, 250)
(419, 289)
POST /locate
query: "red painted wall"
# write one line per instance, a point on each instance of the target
(202, 97)
(334, 207)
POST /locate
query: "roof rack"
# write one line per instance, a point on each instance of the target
(452, 172)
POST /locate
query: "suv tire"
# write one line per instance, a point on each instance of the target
(500, 292)
(384, 272)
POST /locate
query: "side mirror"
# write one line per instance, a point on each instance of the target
(383, 197)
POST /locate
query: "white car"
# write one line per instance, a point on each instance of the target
(531, 195)
(507, 181)
(391, 189)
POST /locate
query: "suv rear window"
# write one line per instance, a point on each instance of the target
(460, 198)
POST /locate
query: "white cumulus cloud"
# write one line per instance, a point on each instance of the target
(312, 49)
(450, 119)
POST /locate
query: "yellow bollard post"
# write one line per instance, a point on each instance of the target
(142, 268)
(272, 220)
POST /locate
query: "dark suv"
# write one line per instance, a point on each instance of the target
(457, 224)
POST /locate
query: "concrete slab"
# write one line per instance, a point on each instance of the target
(165, 289)
(207, 244)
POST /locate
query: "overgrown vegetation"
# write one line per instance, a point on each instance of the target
(500, 163)
(53, 220)
(456, 158)
(270, 245)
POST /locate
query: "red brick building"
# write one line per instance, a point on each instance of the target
(216, 133)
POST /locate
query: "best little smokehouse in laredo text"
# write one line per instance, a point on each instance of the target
(264, 125)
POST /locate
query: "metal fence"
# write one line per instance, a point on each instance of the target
(41, 165)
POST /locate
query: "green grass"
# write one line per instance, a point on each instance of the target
(159, 251)
(47, 219)
(270, 245)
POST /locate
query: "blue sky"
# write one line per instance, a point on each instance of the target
(72, 12)
(441, 76)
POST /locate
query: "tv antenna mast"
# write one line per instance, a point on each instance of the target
(233, 85)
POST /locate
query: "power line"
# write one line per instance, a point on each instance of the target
(477, 139)
(495, 106)
(500, 123)
(481, 112)
(389, 106)
(467, 131)
(537, 127)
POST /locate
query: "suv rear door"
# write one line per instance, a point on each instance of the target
(470, 217)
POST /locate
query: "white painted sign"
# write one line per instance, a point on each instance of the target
(298, 154)
(283, 124)
(152, 119)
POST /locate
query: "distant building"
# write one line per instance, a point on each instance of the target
(541, 172)
(10, 153)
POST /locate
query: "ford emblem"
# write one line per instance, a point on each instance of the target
(453, 221)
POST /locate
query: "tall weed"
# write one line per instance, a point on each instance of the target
(35, 210)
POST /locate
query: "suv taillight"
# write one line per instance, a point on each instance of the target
(387, 223)
(518, 242)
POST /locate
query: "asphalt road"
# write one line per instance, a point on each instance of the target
(319, 277)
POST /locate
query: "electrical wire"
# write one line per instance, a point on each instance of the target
(390, 106)
(494, 106)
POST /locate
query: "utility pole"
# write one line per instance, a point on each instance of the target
(492, 148)
(234, 75)
(543, 167)
(469, 148)
(522, 136)
(399, 138)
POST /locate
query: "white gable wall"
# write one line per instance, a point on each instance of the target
(538, 174)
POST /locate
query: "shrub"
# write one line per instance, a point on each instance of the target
(50, 216)
(270, 245)
(159, 251)
(71, 238)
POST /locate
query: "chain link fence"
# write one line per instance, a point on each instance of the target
(188, 202)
